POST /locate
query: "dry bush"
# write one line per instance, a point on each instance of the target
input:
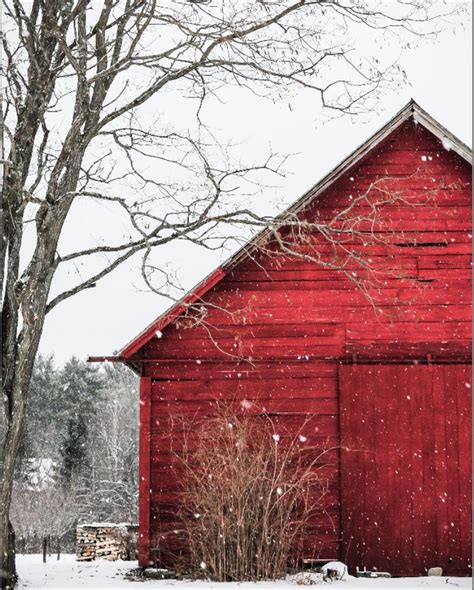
(248, 494)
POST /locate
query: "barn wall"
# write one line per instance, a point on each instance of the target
(295, 318)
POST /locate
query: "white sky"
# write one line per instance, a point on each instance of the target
(100, 321)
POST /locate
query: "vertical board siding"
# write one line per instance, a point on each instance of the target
(274, 328)
(405, 467)
(144, 473)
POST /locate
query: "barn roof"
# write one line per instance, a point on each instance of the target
(411, 110)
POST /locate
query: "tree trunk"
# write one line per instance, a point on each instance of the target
(58, 549)
(8, 570)
(16, 382)
(45, 548)
(10, 451)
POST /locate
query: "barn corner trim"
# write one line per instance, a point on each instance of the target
(411, 111)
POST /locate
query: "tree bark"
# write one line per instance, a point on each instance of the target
(8, 570)
(45, 548)
(10, 452)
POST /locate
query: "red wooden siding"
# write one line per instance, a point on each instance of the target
(406, 465)
(275, 327)
(144, 473)
(195, 395)
(276, 307)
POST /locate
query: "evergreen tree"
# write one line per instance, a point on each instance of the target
(82, 388)
(42, 428)
(84, 421)
(74, 451)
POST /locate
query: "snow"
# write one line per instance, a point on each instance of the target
(336, 567)
(447, 144)
(122, 525)
(68, 574)
(41, 472)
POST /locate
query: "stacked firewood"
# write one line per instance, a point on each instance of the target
(105, 541)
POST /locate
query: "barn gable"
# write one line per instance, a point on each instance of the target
(323, 200)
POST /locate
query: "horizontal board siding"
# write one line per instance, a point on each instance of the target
(167, 430)
(243, 388)
(307, 406)
(409, 312)
(185, 370)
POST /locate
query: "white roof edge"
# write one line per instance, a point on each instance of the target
(412, 109)
(422, 117)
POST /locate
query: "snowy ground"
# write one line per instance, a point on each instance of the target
(70, 574)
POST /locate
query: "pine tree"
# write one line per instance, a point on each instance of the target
(81, 396)
(42, 430)
(74, 452)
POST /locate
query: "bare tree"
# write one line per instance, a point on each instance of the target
(99, 64)
(112, 481)
(44, 513)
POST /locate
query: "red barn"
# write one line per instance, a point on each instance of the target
(361, 321)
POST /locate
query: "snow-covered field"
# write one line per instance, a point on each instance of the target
(69, 574)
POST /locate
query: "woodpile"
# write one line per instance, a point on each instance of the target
(106, 541)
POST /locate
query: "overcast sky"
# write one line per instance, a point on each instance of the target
(100, 321)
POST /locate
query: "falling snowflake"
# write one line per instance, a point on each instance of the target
(302, 438)
(447, 144)
(276, 437)
(158, 334)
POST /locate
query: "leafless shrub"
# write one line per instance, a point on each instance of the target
(249, 492)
